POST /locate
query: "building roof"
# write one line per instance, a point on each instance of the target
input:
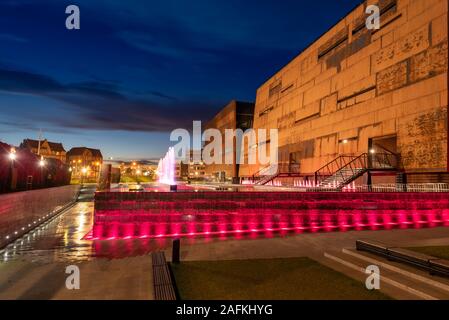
(311, 43)
(54, 146)
(79, 151)
(234, 105)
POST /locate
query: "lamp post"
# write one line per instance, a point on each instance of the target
(83, 171)
(138, 172)
(41, 166)
(12, 157)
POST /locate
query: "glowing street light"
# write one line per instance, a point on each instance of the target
(41, 162)
(12, 154)
(372, 151)
(84, 170)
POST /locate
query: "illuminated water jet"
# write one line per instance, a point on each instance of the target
(166, 168)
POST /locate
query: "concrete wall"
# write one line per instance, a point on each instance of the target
(19, 209)
(354, 84)
(225, 119)
(234, 115)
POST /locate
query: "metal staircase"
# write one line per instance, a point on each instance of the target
(345, 169)
(266, 174)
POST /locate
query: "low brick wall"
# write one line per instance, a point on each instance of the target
(19, 209)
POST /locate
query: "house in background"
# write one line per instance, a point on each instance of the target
(85, 162)
(45, 148)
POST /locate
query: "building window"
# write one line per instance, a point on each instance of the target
(266, 111)
(275, 88)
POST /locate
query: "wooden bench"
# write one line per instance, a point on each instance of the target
(162, 281)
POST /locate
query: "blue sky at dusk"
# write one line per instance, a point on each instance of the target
(138, 69)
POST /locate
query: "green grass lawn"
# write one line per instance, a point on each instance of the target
(441, 252)
(270, 279)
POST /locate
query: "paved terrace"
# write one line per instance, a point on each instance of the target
(34, 266)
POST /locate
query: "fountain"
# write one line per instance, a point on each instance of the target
(166, 169)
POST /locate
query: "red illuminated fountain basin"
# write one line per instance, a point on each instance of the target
(126, 215)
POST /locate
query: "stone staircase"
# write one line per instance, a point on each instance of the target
(87, 193)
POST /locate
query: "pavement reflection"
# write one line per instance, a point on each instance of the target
(61, 240)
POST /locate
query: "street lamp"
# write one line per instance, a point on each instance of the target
(12, 154)
(83, 171)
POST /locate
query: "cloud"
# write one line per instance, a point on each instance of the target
(101, 106)
(162, 95)
(11, 37)
(170, 44)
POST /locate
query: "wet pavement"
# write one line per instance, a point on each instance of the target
(59, 239)
(62, 240)
(33, 267)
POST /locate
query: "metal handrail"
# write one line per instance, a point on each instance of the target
(333, 166)
(259, 174)
(356, 164)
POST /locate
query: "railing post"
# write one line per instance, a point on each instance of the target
(176, 250)
(369, 183)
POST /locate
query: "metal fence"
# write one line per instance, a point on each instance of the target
(397, 187)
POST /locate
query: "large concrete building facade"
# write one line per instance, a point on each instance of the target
(356, 91)
(235, 115)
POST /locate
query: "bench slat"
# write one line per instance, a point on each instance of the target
(162, 281)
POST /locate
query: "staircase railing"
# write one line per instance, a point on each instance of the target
(356, 165)
(266, 174)
(332, 167)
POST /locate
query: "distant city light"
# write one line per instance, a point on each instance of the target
(84, 170)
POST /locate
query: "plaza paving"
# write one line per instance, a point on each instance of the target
(34, 266)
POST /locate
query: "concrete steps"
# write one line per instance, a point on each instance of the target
(397, 280)
(87, 193)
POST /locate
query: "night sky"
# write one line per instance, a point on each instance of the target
(138, 69)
